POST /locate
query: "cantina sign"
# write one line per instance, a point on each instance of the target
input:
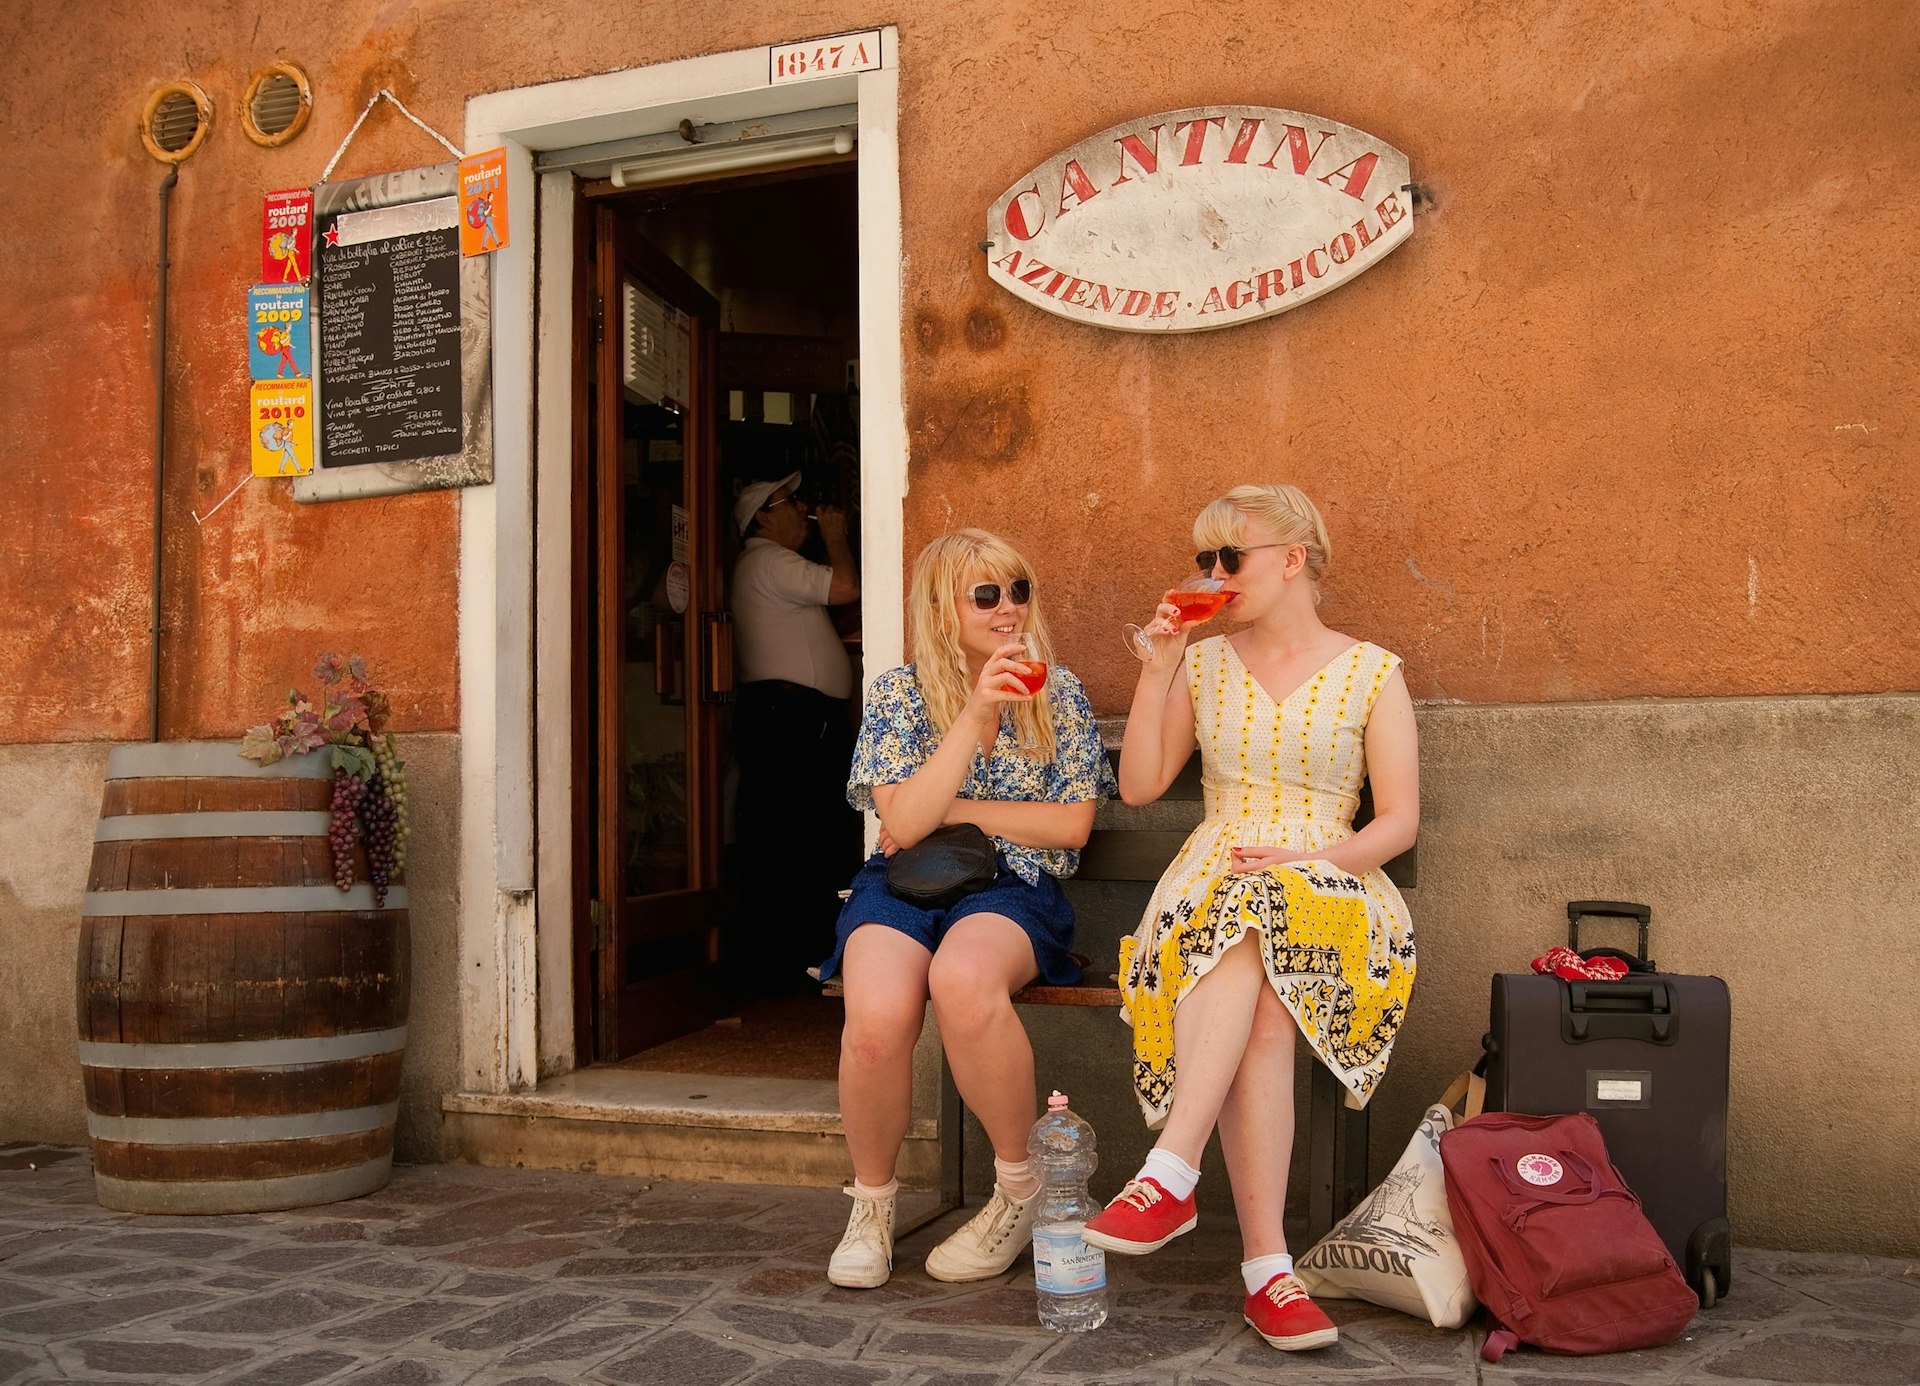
(1201, 218)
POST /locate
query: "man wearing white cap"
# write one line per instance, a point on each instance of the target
(792, 736)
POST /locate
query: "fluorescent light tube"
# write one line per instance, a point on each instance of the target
(724, 158)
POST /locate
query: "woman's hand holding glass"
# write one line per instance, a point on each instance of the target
(1008, 677)
(1197, 599)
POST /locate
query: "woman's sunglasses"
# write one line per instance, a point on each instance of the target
(1228, 558)
(986, 595)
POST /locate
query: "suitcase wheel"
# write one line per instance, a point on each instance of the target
(1710, 1261)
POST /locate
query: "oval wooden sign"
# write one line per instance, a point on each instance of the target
(1201, 218)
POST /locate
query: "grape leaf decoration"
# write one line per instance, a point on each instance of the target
(368, 816)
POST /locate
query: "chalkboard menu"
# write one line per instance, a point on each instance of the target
(389, 326)
(401, 337)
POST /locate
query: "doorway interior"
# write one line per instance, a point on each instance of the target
(716, 345)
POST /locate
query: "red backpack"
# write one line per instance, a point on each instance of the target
(1555, 1243)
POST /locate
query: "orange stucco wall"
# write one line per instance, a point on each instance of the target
(1631, 414)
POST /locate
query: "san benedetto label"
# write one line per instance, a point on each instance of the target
(1201, 218)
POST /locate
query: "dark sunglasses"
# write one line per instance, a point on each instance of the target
(1229, 558)
(986, 595)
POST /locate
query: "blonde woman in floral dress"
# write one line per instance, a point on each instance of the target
(1289, 717)
(955, 737)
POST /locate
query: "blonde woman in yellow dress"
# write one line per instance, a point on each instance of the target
(1289, 717)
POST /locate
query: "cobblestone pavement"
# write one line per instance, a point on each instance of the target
(527, 1278)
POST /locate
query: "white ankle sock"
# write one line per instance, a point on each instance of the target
(1170, 1172)
(1018, 1180)
(886, 1190)
(1261, 1269)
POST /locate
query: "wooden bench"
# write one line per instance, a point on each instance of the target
(1126, 848)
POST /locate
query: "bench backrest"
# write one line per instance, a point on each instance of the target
(1119, 851)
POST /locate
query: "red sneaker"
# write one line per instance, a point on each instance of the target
(1281, 1313)
(1143, 1217)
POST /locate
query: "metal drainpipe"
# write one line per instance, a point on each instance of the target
(159, 456)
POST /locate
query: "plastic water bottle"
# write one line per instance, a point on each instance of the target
(1071, 1276)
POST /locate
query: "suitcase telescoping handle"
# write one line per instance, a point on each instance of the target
(1611, 909)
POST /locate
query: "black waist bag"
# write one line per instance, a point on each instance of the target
(944, 867)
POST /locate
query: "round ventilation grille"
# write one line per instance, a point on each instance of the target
(277, 105)
(175, 121)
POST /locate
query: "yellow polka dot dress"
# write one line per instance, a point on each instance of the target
(1338, 948)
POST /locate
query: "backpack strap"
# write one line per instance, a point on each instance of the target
(1500, 1341)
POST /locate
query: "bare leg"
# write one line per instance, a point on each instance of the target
(982, 961)
(886, 999)
(1256, 1127)
(1210, 1031)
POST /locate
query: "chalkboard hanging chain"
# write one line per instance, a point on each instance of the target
(373, 101)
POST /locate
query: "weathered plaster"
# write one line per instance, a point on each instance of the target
(1628, 416)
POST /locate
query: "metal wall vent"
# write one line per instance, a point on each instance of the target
(175, 121)
(278, 102)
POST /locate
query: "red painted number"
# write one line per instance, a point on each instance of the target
(821, 59)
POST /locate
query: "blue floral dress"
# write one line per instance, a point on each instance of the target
(897, 737)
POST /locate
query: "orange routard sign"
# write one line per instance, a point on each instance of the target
(1199, 218)
(483, 202)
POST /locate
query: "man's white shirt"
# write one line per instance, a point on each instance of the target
(780, 612)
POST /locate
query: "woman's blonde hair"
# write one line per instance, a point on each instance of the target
(1281, 508)
(950, 565)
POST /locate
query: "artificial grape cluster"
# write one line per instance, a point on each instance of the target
(349, 790)
(395, 779)
(377, 823)
(373, 811)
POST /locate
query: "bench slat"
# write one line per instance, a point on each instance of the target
(1113, 854)
(1130, 854)
(1082, 995)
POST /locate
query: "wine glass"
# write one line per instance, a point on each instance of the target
(1034, 669)
(1199, 599)
(1032, 673)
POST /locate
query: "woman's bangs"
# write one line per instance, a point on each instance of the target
(1219, 526)
(997, 568)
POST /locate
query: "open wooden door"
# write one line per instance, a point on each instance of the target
(655, 656)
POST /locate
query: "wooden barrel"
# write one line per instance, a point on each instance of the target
(242, 1019)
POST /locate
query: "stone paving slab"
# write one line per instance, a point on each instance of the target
(455, 1276)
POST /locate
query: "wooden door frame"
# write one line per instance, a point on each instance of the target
(580, 703)
(598, 569)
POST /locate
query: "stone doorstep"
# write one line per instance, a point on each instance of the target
(673, 1126)
(642, 1097)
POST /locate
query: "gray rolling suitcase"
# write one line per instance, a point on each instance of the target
(1647, 1057)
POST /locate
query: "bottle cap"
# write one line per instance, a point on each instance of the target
(1058, 1102)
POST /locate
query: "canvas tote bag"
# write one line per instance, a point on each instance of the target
(1397, 1248)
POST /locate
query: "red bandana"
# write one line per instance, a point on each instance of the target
(1570, 966)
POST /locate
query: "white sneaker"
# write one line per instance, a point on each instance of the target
(992, 1240)
(864, 1258)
